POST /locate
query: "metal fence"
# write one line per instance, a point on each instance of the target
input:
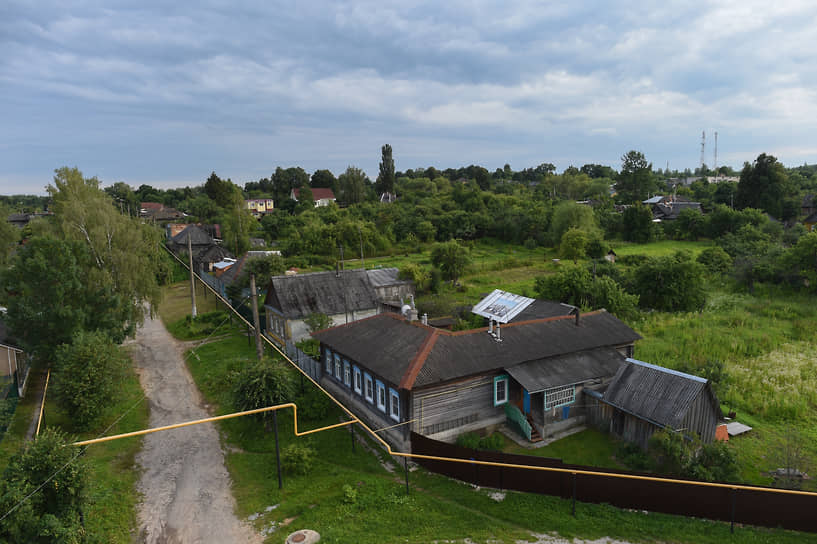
(759, 506)
(304, 361)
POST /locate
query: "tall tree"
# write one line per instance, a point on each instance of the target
(451, 258)
(324, 179)
(636, 181)
(385, 180)
(762, 185)
(352, 184)
(218, 190)
(123, 250)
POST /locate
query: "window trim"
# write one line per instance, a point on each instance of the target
(347, 373)
(380, 387)
(394, 409)
(503, 378)
(368, 383)
(357, 380)
(338, 368)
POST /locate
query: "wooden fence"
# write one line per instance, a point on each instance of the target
(759, 506)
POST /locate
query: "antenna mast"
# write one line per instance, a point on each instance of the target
(715, 162)
(703, 148)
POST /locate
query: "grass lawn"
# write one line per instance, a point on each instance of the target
(348, 496)
(589, 447)
(176, 301)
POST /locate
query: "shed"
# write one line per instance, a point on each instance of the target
(643, 398)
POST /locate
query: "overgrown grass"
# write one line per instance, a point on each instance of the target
(15, 435)
(589, 447)
(176, 301)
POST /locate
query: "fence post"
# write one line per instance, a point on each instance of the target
(732, 525)
(277, 448)
(405, 465)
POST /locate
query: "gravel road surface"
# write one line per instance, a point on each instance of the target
(184, 484)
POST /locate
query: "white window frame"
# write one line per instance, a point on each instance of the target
(338, 368)
(503, 379)
(559, 396)
(368, 387)
(327, 356)
(358, 380)
(381, 395)
(394, 401)
(347, 373)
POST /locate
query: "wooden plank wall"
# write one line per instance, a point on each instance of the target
(452, 405)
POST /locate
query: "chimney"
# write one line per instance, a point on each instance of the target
(490, 326)
(498, 335)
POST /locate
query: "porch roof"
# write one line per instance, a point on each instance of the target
(541, 374)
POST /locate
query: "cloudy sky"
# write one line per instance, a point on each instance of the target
(162, 93)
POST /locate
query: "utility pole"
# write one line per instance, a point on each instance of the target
(192, 277)
(259, 347)
(362, 260)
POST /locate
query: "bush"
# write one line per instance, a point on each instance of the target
(52, 513)
(313, 405)
(474, 441)
(297, 459)
(87, 374)
(632, 456)
(264, 383)
(716, 260)
(468, 440)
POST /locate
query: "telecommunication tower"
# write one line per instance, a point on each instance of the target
(703, 148)
(715, 162)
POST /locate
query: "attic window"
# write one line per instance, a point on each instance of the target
(560, 396)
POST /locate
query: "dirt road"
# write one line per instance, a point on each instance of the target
(185, 486)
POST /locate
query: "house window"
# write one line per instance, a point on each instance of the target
(327, 358)
(338, 367)
(394, 400)
(358, 381)
(347, 374)
(381, 396)
(500, 390)
(367, 380)
(559, 396)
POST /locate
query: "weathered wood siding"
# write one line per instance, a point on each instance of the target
(703, 416)
(445, 411)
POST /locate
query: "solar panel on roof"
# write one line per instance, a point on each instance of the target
(501, 306)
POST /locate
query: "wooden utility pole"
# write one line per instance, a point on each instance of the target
(259, 347)
(192, 277)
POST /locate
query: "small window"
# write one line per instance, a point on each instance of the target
(381, 396)
(367, 380)
(500, 390)
(358, 381)
(394, 400)
(327, 358)
(560, 396)
(338, 367)
(347, 374)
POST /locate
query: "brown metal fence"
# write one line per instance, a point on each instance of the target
(766, 506)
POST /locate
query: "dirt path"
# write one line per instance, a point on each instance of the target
(185, 486)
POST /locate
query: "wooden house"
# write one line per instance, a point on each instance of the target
(321, 196)
(391, 371)
(344, 297)
(810, 222)
(643, 398)
(668, 208)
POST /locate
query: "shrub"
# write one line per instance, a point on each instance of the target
(632, 456)
(264, 383)
(87, 374)
(474, 441)
(416, 273)
(468, 440)
(313, 405)
(52, 513)
(349, 494)
(297, 459)
(716, 260)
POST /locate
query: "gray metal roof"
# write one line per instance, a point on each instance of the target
(197, 236)
(655, 393)
(567, 369)
(321, 292)
(380, 277)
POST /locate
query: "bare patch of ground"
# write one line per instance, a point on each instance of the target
(185, 486)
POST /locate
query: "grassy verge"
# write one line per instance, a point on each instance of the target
(176, 301)
(348, 496)
(15, 435)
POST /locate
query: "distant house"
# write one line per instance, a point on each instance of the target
(150, 208)
(199, 240)
(810, 222)
(344, 297)
(14, 364)
(439, 383)
(668, 208)
(19, 220)
(204, 260)
(259, 207)
(809, 206)
(643, 398)
(321, 196)
(159, 213)
(388, 198)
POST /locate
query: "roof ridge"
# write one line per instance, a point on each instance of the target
(419, 360)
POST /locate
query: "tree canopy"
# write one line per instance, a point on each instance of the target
(762, 185)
